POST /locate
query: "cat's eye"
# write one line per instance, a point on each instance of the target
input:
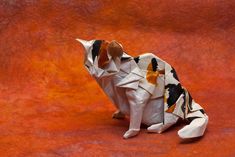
(87, 66)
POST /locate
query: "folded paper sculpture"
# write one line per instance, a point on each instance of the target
(145, 88)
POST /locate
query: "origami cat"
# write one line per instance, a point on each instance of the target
(145, 88)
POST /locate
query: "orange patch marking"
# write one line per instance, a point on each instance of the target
(171, 109)
(151, 75)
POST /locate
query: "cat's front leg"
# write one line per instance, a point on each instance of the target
(137, 100)
(118, 115)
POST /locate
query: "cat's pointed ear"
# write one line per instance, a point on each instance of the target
(86, 44)
(115, 49)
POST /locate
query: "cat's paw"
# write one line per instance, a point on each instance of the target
(118, 115)
(131, 133)
(157, 128)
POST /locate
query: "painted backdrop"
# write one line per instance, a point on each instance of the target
(51, 107)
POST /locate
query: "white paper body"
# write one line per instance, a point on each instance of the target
(145, 88)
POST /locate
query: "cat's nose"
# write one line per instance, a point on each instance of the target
(86, 44)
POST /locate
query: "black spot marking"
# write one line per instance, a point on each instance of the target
(154, 64)
(190, 101)
(174, 93)
(125, 58)
(190, 119)
(183, 107)
(202, 111)
(137, 59)
(174, 74)
(96, 49)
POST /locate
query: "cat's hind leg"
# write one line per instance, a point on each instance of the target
(197, 126)
(170, 119)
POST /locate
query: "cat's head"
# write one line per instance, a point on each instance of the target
(99, 53)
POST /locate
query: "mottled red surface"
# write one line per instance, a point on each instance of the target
(51, 107)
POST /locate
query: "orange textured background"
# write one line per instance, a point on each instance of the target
(51, 107)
